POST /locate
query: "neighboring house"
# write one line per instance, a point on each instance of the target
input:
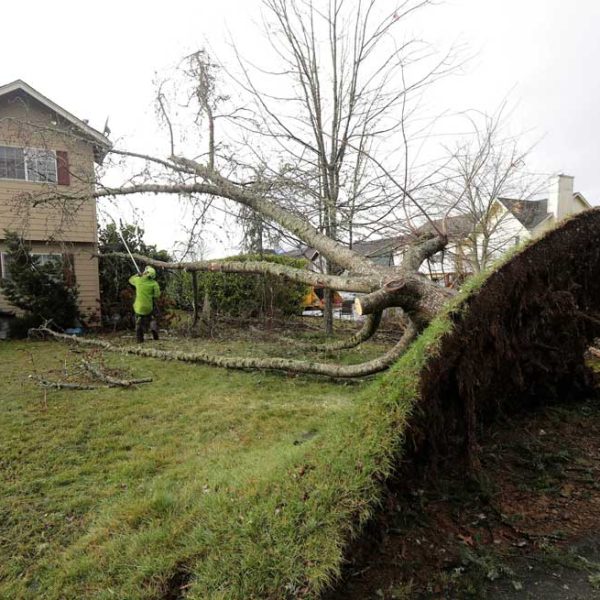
(45, 149)
(475, 244)
(510, 222)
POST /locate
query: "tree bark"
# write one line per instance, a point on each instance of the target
(194, 299)
(273, 364)
(419, 297)
(328, 311)
(358, 283)
(366, 332)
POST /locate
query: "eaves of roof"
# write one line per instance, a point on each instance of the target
(101, 144)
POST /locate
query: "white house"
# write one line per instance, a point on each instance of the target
(473, 246)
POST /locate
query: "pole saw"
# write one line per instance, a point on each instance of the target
(128, 250)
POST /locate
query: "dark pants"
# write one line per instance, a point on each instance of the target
(142, 323)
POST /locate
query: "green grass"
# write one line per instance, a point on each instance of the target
(247, 483)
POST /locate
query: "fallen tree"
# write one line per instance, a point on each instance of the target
(514, 337)
(320, 173)
(312, 174)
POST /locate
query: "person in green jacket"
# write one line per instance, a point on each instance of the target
(146, 292)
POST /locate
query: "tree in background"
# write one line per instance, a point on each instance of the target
(490, 163)
(45, 290)
(116, 295)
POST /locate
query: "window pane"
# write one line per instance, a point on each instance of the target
(44, 259)
(5, 266)
(12, 165)
(41, 165)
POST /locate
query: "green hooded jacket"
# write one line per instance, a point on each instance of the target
(146, 290)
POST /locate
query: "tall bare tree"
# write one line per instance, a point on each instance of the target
(487, 165)
(342, 89)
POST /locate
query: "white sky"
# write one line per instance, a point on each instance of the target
(99, 59)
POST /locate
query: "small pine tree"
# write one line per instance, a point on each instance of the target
(40, 290)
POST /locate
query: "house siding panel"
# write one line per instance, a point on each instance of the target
(62, 225)
(25, 123)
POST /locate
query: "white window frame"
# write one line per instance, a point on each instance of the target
(26, 166)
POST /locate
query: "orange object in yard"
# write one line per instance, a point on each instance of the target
(314, 299)
(311, 300)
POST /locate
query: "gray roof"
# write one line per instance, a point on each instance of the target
(529, 213)
(382, 246)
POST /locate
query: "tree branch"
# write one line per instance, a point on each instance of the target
(366, 332)
(273, 364)
(336, 282)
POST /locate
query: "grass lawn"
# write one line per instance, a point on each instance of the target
(203, 484)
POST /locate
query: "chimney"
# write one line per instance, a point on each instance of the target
(560, 196)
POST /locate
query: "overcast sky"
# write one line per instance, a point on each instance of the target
(101, 61)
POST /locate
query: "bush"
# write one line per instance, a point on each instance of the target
(43, 291)
(241, 294)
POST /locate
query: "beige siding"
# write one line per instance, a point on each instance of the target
(70, 216)
(65, 224)
(86, 275)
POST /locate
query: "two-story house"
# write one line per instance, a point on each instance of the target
(47, 158)
(478, 242)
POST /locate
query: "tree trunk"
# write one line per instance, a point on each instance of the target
(194, 299)
(328, 312)
(206, 320)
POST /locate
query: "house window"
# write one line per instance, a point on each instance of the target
(40, 165)
(55, 260)
(12, 163)
(44, 259)
(28, 164)
(41, 260)
(4, 266)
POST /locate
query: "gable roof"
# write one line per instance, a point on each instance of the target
(529, 213)
(582, 199)
(302, 252)
(100, 142)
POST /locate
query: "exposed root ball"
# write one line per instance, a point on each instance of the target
(517, 340)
